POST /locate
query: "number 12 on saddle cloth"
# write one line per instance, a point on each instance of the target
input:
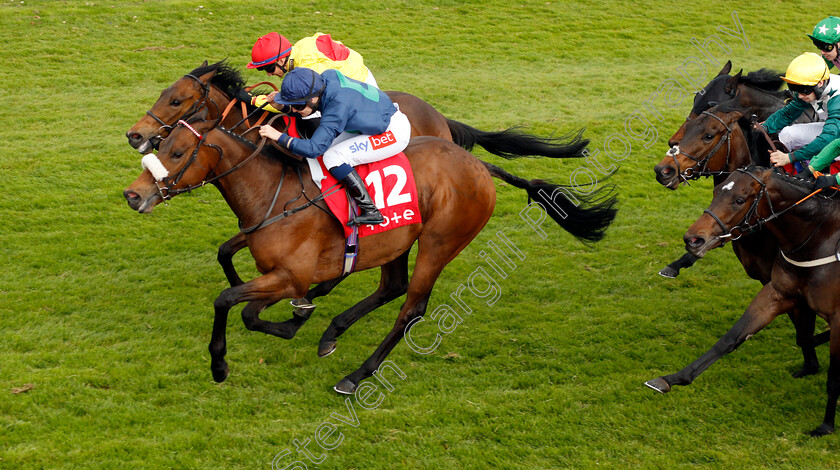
(391, 185)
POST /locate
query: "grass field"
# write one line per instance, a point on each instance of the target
(105, 314)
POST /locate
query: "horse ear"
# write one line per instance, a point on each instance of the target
(201, 114)
(204, 64)
(732, 82)
(727, 67)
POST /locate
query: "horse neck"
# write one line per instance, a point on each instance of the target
(738, 152)
(234, 116)
(762, 103)
(799, 228)
(249, 190)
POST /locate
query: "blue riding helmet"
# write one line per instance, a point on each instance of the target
(299, 86)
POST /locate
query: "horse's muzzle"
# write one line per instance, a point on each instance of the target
(141, 204)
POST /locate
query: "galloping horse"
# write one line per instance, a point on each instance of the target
(456, 196)
(210, 87)
(805, 272)
(757, 91)
(717, 143)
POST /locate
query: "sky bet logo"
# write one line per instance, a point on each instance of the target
(382, 140)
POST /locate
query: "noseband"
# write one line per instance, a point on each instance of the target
(701, 164)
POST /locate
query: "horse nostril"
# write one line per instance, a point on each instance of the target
(130, 196)
(667, 171)
(694, 242)
(134, 137)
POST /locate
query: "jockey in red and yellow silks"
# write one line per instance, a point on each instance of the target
(275, 55)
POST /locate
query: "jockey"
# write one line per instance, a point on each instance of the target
(359, 124)
(807, 76)
(275, 55)
(826, 35)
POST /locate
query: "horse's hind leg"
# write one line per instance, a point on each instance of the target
(832, 382)
(225, 257)
(393, 283)
(766, 305)
(673, 270)
(432, 257)
(803, 319)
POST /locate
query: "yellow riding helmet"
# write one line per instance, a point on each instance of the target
(807, 69)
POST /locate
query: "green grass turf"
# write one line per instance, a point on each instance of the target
(108, 313)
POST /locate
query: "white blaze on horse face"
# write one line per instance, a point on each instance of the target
(150, 162)
(728, 186)
(672, 151)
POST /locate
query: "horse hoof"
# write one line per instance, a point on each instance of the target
(219, 375)
(669, 272)
(823, 430)
(806, 371)
(326, 348)
(345, 387)
(659, 384)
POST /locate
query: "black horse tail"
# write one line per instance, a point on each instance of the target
(584, 216)
(513, 143)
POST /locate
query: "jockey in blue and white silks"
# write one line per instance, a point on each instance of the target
(359, 124)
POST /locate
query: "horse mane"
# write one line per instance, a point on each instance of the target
(805, 186)
(227, 78)
(763, 79)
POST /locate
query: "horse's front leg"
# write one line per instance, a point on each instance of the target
(260, 292)
(766, 306)
(673, 270)
(225, 257)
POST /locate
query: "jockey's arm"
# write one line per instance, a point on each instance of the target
(259, 100)
(830, 132)
(826, 156)
(785, 116)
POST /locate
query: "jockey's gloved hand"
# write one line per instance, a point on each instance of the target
(243, 96)
(825, 181)
(806, 173)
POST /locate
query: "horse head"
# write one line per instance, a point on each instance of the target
(714, 143)
(716, 91)
(184, 162)
(180, 101)
(738, 204)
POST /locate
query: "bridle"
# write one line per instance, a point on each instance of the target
(205, 88)
(700, 167)
(746, 226)
(170, 182)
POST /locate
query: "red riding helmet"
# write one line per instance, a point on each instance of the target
(268, 49)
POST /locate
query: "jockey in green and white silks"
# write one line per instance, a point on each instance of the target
(826, 35)
(808, 77)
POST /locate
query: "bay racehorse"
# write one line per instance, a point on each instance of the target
(456, 195)
(757, 91)
(211, 87)
(716, 143)
(806, 271)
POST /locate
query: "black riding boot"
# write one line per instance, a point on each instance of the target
(368, 213)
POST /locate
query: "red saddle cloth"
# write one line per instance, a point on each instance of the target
(792, 169)
(390, 183)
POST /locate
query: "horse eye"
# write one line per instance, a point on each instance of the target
(713, 103)
(708, 137)
(177, 155)
(739, 201)
(175, 103)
